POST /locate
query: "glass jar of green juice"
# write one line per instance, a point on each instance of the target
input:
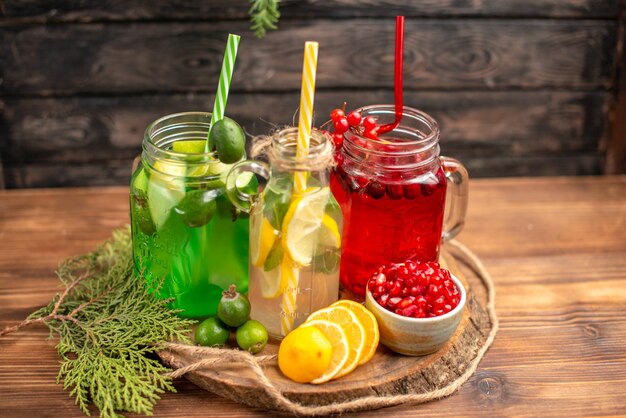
(189, 241)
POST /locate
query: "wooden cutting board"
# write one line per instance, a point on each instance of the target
(387, 373)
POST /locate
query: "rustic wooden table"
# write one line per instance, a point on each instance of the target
(556, 248)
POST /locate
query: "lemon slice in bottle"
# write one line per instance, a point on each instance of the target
(262, 239)
(302, 223)
(273, 282)
(329, 233)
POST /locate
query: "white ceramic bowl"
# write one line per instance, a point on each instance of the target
(416, 336)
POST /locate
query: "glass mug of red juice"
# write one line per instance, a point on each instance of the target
(400, 199)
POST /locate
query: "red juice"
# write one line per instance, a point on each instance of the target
(388, 217)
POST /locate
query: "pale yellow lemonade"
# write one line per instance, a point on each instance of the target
(295, 245)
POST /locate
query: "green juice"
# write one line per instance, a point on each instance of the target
(188, 239)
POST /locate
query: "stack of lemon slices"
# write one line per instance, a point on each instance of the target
(330, 344)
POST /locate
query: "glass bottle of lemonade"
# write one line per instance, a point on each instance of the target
(392, 191)
(189, 241)
(295, 233)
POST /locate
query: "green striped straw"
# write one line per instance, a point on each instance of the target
(228, 64)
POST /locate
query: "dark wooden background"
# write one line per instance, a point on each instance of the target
(519, 87)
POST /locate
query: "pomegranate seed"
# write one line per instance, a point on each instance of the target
(369, 123)
(403, 272)
(414, 289)
(336, 114)
(341, 125)
(395, 289)
(409, 311)
(380, 278)
(376, 190)
(435, 290)
(439, 302)
(405, 303)
(393, 302)
(391, 270)
(354, 118)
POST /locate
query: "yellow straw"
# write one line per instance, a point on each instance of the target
(304, 135)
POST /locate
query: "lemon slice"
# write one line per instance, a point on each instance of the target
(353, 328)
(329, 234)
(262, 238)
(274, 282)
(341, 350)
(302, 223)
(166, 188)
(368, 320)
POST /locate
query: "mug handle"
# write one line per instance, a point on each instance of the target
(240, 199)
(456, 197)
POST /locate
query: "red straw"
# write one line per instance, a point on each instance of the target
(397, 77)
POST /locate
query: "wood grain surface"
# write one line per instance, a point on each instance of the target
(555, 247)
(74, 141)
(520, 87)
(182, 57)
(81, 11)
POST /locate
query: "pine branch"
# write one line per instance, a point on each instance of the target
(108, 324)
(264, 16)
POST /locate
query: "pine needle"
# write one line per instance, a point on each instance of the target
(264, 16)
(108, 326)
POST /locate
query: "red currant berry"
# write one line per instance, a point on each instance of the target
(336, 114)
(341, 125)
(338, 140)
(369, 123)
(394, 191)
(371, 134)
(339, 159)
(376, 190)
(411, 191)
(428, 189)
(354, 118)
